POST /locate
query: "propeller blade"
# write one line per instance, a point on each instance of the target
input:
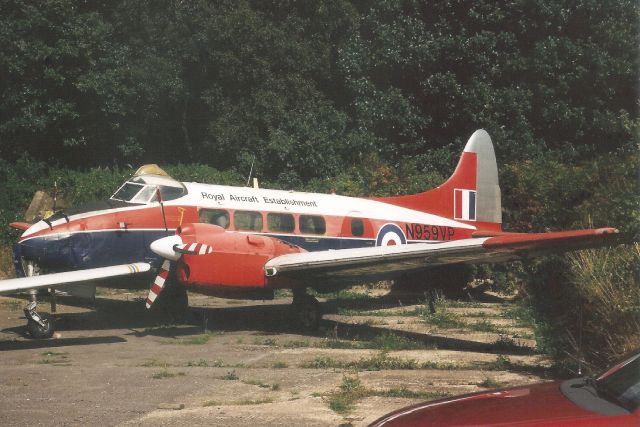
(193, 249)
(158, 283)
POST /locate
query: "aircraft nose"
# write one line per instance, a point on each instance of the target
(164, 247)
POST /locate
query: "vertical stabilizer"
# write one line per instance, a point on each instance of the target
(471, 194)
(489, 205)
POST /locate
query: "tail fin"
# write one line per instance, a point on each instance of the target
(471, 194)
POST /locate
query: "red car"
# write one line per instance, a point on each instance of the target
(612, 399)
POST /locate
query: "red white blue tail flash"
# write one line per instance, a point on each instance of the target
(158, 283)
(464, 204)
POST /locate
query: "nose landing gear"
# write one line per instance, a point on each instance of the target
(39, 325)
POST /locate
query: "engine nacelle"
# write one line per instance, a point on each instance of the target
(237, 259)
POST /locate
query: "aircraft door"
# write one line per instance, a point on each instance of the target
(356, 231)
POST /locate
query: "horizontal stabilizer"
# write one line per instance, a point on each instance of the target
(51, 280)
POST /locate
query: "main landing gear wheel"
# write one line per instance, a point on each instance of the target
(172, 305)
(39, 325)
(306, 311)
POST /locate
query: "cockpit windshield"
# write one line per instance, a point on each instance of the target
(142, 188)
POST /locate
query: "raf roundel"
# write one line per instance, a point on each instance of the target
(389, 235)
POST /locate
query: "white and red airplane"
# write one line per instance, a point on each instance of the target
(245, 241)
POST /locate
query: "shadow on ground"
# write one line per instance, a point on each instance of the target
(264, 319)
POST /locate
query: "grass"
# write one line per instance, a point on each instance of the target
(280, 365)
(384, 341)
(297, 344)
(485, 326)
(444, 320)
(230, 376)
(351, 390)
(202, 363)
(52, 357)
(383, 361)
(243, 402)
(490, 382)
(272, 387)
(269, 342)
(166, 374)
(404, 392)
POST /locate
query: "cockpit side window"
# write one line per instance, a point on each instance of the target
(145, 195)
(127, 191)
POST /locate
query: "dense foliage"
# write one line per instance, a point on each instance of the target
(306, 89)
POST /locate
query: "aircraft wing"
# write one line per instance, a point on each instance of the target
(51, 280)
(384, 262)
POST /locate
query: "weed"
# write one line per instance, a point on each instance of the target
(273, 387)
(239, 402)
(322, 362)
(230, 376)
(344, 400)
(62, 355)
(505, 342)
(297, 344)
(269, 342)
(406, 393)
(382, 362)
(523, 315)
(166, 374)
(502, 363)
(444, 366)
(196, 339)
(391, 341)
(154, 363)
(205, 364)
(485, 326)
(280, 365)
(340, 344)
(351, 390)
(443, 319)
(51, 357)
(490, 382)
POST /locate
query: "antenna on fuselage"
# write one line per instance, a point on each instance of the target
(250, 172)
(164, 218)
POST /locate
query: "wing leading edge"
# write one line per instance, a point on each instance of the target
(383, 262)
(50, 280)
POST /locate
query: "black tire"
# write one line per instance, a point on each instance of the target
(307, 313)
(172, 305)
(36, 331)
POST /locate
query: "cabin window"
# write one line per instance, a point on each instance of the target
(280, 222)
(312, 224)
(357, 227)
(246, 220)
(214, 216)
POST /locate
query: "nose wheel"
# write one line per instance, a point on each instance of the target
(306, 311)
(39, 325)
